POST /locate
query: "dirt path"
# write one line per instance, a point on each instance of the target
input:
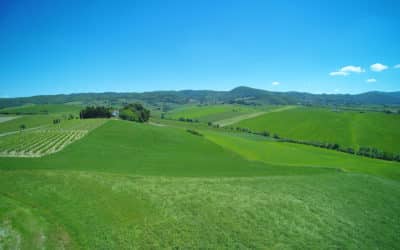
(239, 118)
(7, 118)
(157, 124)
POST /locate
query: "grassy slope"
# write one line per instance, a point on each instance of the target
(210, 113)
(126, 147)
(349, 129)
(92, 210)
(289, 154)
(44, 108)
(272, 207)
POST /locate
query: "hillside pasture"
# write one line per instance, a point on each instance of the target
(347, 128)
(128, 184)
(90, 210)
(257, 148)
(151, 150)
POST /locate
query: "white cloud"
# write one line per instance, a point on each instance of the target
(397, 66)
(346, 70)
(338, 73)
(371, 80)
(276, 83)
(378, 67)
(351, 68)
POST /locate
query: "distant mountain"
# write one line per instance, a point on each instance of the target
(241, 95)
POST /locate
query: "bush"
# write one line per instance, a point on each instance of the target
(194, 132)
(134, 112)
(265, 133)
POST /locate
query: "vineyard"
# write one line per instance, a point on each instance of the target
(51, 139)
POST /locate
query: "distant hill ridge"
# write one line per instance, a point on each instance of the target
(241, 95)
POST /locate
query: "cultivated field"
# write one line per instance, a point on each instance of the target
(47, 140)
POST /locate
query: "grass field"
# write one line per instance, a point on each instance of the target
(144, 186)
(66, 209)
(210, 113)
(43, 109)
(126, 147)
(289, 154)
(347, 128)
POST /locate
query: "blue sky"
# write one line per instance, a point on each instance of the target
(51, 47)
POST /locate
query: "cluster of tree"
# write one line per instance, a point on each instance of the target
(56, 121)
(194, 132)
(181, 119)
(134, 112)
(213, 125)
(71, 117)
(387, 111)
(95, 112)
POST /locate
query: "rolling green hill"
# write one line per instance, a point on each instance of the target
(347, 128)
(239, 95)
(127, 147)
(137, 185)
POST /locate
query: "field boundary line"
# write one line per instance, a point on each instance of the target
(17, 131)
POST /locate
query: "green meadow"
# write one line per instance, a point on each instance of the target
(127, 185)
(347, 128)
